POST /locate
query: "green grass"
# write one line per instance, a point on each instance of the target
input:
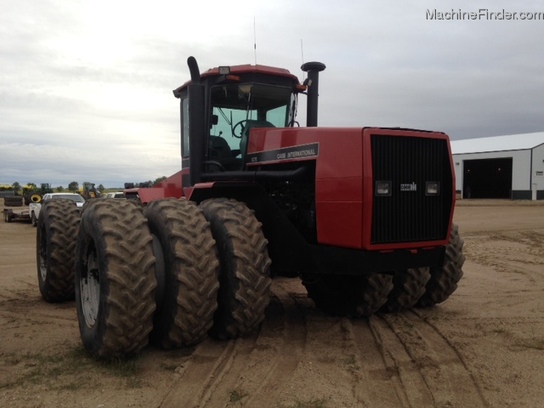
(67, 371)
(237, 395)
(40, 368)
(121, 368)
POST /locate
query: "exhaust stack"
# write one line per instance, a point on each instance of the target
(313, 69)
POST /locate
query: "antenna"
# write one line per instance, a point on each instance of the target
(254, 40)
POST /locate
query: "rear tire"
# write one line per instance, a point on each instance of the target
(409, 286)
(444, 279)
(115, 279)
(56, 238)
(348, 295)
(244, 279)
(191, 269)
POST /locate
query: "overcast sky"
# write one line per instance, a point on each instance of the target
(86, 86)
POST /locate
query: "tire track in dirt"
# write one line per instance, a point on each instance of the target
(291, 325)
(428, 369)
(206, 367)
(394, 360)
(385, 374)
(220, 372)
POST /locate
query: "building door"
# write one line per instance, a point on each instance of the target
(487, 178)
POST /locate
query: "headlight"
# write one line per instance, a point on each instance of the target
(432, 188)
(382, 188)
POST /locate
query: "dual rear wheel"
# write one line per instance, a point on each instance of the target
(171, 273)
(175, 272)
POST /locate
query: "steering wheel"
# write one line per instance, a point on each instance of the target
(212, 163)
(240, 124)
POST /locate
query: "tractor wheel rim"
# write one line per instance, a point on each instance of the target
(42, 256)
(90, 290)
(43, 267)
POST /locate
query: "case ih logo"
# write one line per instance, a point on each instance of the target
(408, 187)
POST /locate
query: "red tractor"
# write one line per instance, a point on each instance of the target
(362, 215)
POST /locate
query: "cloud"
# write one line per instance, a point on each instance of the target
(86, 87)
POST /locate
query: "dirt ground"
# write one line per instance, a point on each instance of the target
(483, 347)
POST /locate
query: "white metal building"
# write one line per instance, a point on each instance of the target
(510, 166)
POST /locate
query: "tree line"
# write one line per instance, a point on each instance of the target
(72, 186)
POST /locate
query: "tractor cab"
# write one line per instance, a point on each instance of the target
(221, 106)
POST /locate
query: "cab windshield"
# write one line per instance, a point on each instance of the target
(236, 108)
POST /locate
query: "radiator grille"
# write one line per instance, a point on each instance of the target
(410, 216)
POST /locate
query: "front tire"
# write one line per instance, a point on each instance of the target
(190, 273)
(56, 237)
(348, 295)
(244, 288)
(444, 279)
(409, 286)
(115, 279)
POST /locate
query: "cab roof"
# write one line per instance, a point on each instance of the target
(252, 69)
(245, 69)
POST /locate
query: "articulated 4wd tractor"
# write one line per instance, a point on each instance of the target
(362, 215)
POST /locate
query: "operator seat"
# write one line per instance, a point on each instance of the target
(245, 134)
(219, 151)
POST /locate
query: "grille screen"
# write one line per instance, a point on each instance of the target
(408, 215)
